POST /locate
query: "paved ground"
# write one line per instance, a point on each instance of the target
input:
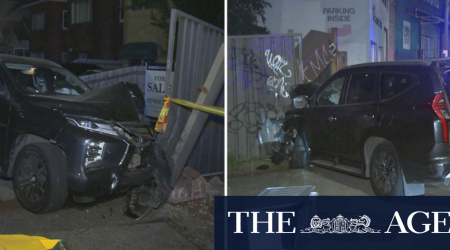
(104, 225)
(327, 182)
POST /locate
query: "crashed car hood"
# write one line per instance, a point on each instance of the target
(110, 103)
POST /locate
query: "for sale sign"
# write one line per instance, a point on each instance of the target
(155, 89)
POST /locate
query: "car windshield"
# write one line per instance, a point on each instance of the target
(45, 80)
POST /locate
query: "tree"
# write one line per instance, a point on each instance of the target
(210, 11)
(243, 17)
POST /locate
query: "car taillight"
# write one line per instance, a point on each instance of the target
(437, 105)
(441, 110)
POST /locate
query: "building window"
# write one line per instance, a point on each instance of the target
(38, 21)
(82, 11)
(37, 54)
(21, 51)
(373, 52)
(82, 56)
(380, 54)
(64, 58)
(65, 21)
(121, 11)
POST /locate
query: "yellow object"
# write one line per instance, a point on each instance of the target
(202, 107)
(162, 119)
(25, 242)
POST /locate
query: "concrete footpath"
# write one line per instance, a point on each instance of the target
(103, 224)
(327, 182)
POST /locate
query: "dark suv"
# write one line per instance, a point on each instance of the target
(59, 137)
(385, 121)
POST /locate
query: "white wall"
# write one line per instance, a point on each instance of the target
(354, 17)
(377, 34)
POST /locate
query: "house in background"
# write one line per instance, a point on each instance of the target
(14, 38)
(143, 42)
(66, 30)
(14, 33)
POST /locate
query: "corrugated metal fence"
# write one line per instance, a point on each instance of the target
(196, 47)
(261, 71)
(134, 74)
(197, 44)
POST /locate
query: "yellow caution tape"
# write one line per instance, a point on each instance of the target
(202, 107)
(162, 119)
(20, 242)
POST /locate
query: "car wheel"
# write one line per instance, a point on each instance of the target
(386, 175)
(40, 178)
(299, 153)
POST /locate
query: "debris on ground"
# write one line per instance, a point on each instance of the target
(262, 167)
(190, 186)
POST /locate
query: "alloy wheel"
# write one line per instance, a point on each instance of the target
(32, 177)
(385, 172)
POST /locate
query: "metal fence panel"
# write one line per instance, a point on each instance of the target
(261, 72)
(197, 44)
(134, 74)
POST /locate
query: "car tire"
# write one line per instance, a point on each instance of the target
(40, 178)
(299, 154)
(386, 175)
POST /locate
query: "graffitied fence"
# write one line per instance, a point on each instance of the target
(261, 72)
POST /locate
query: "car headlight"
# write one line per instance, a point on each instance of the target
(94, 152)
(92, 126)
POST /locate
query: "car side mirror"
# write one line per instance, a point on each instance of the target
(300, 102)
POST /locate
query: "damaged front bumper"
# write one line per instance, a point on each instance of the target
(102, 163)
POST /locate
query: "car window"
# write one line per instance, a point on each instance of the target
(394, 83)
(46, 81)
(331, 94)
(361, 87)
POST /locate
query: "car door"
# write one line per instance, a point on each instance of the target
(320, 129)
(355, 119)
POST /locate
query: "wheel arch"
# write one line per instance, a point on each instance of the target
(22, 141)
(369, 146)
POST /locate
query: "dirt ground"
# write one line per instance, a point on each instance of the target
(104, 224)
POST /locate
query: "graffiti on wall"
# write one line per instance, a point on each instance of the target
(263, 65)
(262, 70)
(250, 116)
(277, 84)
(318, 60)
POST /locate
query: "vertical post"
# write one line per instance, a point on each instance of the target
(334, 65)
(445, 45)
